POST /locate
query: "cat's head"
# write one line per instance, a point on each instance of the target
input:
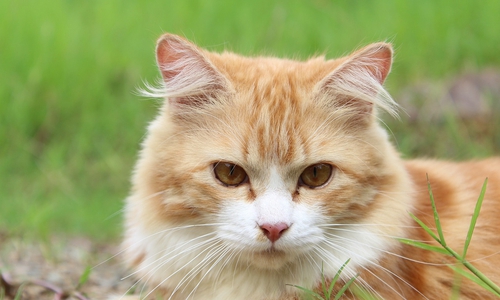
(264, 155)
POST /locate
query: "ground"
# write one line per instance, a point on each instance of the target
(52, 269)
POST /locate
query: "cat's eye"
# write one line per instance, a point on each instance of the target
(316, 175)
(230, 174)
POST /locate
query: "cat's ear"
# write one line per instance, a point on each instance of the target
(356, 84)
(189, 78)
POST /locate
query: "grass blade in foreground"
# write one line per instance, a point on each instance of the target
(345, 287)
(436, 216)
(423, 245)
(328, 293)
(474, 278)
(492, 287)
(308, 292)
(336, 277)
(472, 225)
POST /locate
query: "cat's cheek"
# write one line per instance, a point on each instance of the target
(237, 226)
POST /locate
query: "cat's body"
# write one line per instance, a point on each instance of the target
(261, 173)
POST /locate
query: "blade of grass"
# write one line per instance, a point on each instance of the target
(440, 239)
(19, 292)
(482, 277)
(84, 277)
(436, 216)
(473, 221)
(308, 292)
(424, 246)
(425, 227)
(458, 257)
(345, 287)
(323, 282)
(362, 293)
(473, 278)
(457, 283)
(336, 277)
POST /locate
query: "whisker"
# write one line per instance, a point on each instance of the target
(178, 270)
(384, 251)
(484, 257)
(366, 224)
(155, 234)
(150, 273)
(219, 273)
(346, 250)
(209, 257)
(374, 233)
(193, 247)
(224, 251)
(240, 252)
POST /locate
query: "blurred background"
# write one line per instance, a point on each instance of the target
(71, 121)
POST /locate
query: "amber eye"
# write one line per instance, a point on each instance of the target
(316, 175)
(229, 174)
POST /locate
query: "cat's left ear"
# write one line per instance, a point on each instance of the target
(357, 82)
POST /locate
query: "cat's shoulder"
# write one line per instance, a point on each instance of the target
(456, 181)
(471, 167)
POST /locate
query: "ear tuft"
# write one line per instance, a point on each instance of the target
(357, 81)
(189, 78)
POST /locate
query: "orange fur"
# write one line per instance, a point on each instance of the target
(275, 117)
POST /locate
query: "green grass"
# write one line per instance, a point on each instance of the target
(475, 275)
(327, 288)
(70, 123)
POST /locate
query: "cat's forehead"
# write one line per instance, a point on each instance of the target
(273, 117)
(245, 72)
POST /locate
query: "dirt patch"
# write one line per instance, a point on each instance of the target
(53, 269)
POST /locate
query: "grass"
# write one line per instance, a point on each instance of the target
(327, 289)
(475, 274)
(71, 124)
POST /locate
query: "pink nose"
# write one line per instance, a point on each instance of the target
(274, 231)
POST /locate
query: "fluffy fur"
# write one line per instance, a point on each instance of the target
(190, 236)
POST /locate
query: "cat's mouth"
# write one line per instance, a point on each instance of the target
(272, 252)
(270, 258)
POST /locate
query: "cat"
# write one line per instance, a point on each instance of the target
(262, 174)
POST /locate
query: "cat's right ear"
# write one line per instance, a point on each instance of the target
(189, 78)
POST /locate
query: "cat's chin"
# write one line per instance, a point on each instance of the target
(270, 259)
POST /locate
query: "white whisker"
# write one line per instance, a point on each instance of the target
(178, 270)
(373, 263)
(177, 247)
(385, 251)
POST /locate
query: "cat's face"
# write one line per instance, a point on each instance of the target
(265, 156)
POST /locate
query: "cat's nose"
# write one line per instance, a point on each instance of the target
(273, 231)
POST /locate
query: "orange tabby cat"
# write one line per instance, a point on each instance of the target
(262, 173)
